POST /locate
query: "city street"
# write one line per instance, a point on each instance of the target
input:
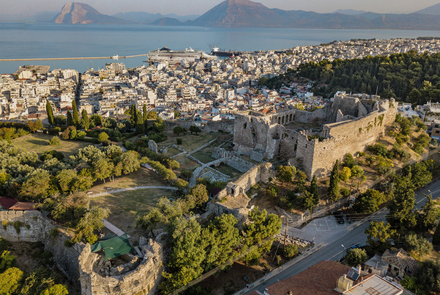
(335, 251)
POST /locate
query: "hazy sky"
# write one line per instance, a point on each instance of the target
(185, 7)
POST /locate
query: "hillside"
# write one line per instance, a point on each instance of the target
(245, 13)
(432, 10)
(167, 21)
(239, 13)
(80, 13)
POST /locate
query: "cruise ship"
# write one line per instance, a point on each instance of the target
(173, 57)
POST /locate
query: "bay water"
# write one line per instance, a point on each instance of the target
(43, 40)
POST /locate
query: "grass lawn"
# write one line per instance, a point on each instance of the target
(142, 177)
(228, 170)
(187, 163)
(191, 142)
(125, 207)
(39, 143)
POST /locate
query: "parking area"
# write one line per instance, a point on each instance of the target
(321, 230)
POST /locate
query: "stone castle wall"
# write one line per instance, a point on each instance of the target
(36, 228)
(144, 279)
(77, 262)
(356, 124)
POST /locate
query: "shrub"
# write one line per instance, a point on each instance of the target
(102, 137)
(55, 140)
(179, 141)
(356, 256)
(290, 251)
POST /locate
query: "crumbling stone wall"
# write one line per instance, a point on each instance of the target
(226, 126)
(231, 159)
(36, 228)
(144, 279)
(237, 191)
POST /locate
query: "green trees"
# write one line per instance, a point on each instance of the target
(349, 161)
(428, 217)
(345, 174)
(158, 125)
(75, 114)
(37, 186)
(102, 137)
(314, 190)
(402, 215)
(436, 237)
(179, 130)
(89, 223)
(49, 112)
(260, 227)
(85, 122)
(56, 290)
(129, 161)
(368, 202)
(194, 129)
(286, 173)
(145, 116)
(152, 115)
(333, 190)
(55, 140)
(378, 233)
(356, 256)
(417, 244)
(69, 119)
(10, 280)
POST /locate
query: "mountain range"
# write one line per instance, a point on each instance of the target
(249, 14)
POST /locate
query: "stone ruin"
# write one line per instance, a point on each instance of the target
(153, 146)
(233, 199)
(88, 271)
(232, 159)
(129, 275)
(313, 141)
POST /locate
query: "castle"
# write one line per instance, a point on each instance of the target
(313, 141)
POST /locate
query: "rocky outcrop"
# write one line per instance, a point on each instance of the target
(80, 13)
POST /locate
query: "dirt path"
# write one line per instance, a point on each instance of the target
(131, 189)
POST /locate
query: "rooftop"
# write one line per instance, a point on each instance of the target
(374, 285)
(319, 279)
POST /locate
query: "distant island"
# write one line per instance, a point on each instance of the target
(249, 14)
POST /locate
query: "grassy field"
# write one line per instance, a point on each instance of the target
(125, 207)
(142, 177)
(191, 142)
(39, 143)
(186, 163)
(228, 170)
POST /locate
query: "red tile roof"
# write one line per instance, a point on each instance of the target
(23, 206)
(7, 202)
(319, 279)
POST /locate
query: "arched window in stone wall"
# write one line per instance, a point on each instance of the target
(287, 118)
(282, 120)
(291, 115)
(244, 125)
(279, 120)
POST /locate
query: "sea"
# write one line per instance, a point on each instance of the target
(44, 40)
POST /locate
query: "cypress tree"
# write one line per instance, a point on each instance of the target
(314, 190)
(436, 237)
(140, 127)
(75, 113)
(69, 119)
(133, 115)
(49, 112)
(145, 116)
(85, 123)
(333, 189)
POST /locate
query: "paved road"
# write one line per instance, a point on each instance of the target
(334, 251)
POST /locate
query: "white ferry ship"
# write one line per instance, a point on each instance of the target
(171, 56)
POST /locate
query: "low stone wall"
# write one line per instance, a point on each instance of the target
(226, 126)
(231, 159)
